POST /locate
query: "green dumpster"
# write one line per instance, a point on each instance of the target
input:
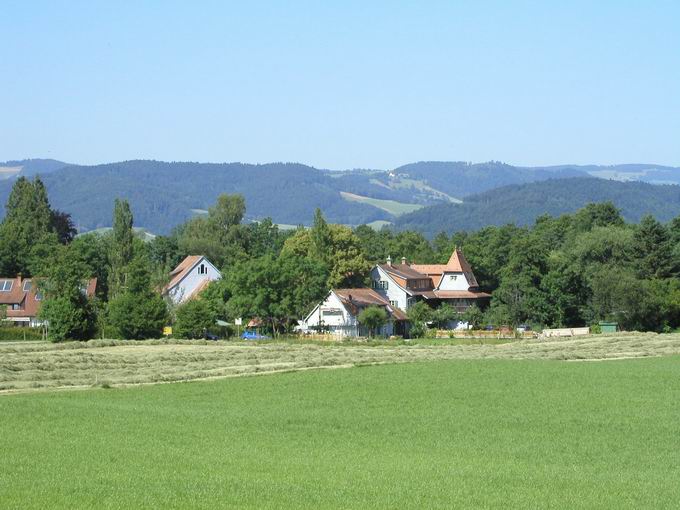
(609, 327)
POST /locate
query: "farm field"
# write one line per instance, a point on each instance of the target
(440, 434)
(30, 366)
(391, 206)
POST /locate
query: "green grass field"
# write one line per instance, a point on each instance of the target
(391, 206)
(463, 433)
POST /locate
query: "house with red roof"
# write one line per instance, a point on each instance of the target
(453, 283)
(22, 299)
(338, 314)
(189, 278)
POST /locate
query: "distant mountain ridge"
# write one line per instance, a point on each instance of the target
(163, 195)
(523, 203)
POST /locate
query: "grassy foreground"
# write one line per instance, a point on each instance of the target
(464, 433)
(42, 365)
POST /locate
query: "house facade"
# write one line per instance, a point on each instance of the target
(189, 278)
(338, 314)
(22, 299)
(453, 283)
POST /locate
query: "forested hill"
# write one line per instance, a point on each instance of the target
(522, 204)
(163, 195)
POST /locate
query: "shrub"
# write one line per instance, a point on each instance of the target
(138, 316)
(373, 318)
(14, 333)
(194, 318)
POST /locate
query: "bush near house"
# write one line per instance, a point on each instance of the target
(194, 319)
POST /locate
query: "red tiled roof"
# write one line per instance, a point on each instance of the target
(456, 264)
(356, 299)
(15, 295)
(26, 299)
(181, 270)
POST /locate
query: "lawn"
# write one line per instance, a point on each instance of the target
(441, 434)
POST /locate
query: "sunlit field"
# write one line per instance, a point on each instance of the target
(436, 434)
(40, 365)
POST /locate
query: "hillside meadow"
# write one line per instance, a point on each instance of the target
(468, 433)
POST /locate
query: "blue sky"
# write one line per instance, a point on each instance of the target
(341, 84)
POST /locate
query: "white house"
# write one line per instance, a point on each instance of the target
(189, 278)
(338, 314)
(405, 284)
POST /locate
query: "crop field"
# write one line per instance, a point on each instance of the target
(391, 206)
(26, 366)
(466, 433)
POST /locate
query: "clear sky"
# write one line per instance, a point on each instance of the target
(341, 84)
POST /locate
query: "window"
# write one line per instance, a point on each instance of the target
(395, 304)
(383, 285)
(27, 285)
(202, 269)
(38, 296)
(6, 285)
(453, 277)
(326, 313)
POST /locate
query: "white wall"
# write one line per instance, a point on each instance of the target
(192, 280)
(394, 292)
(454, 281)
(340, 324)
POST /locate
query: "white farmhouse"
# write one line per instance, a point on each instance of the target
(453, 283)
(189, 278)
(338, 314)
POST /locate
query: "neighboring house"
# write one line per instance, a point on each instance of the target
(338, 314)
(189, 278)
(22, 299)
(453, 283)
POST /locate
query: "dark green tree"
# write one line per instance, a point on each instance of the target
(444, 314)
(653, 249)
(194, 319)
(68, 313)
(419, 314)
(121, 248)
(138, 311)
(26, 229)
(373, 318)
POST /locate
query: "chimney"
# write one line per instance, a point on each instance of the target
(403, 261)
(389, 261)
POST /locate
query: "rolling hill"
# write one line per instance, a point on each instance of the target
(163, 195)
(522, 204)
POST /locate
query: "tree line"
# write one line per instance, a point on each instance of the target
(571, 270)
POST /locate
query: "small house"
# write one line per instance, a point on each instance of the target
(189, 278)
(338, 314)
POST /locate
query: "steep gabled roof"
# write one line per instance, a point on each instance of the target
(30, 305)
(456, 264)
(177, 274)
